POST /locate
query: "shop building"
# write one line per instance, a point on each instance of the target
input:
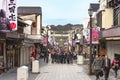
(109, 23)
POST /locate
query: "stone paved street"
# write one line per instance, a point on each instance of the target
(57, 72)
(62, 72)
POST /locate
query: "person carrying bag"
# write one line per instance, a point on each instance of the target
(115, 66)
(97, 67)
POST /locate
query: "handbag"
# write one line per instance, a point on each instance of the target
(115, 66)
(101, 73)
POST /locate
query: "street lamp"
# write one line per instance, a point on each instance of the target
(90, 12)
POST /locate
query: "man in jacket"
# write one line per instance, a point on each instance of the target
(106, 67)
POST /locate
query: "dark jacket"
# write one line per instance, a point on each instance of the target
(106, 63)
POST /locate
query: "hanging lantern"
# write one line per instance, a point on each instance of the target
(34, 24)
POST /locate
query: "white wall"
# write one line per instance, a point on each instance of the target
(38, 24)
(113, 47)
(27, 30)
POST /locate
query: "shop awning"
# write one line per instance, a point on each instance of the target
(113, 32)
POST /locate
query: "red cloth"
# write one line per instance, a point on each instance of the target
(51, 52)
(33, 54)
(115, 62)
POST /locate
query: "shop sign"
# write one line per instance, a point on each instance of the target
(87, 36)
(8, 15)
(95, 36)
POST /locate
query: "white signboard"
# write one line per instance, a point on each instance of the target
(8, 15)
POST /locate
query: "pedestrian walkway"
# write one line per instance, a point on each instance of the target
(57, 72)
(62, 72)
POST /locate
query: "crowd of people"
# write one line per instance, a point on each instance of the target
(103, 64)
(59, 56)
(63, 57)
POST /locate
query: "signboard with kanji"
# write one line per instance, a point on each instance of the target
(8, 15)
(95, 36)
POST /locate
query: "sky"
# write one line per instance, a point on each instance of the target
(61, 12)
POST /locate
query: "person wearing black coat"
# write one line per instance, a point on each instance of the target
(106, 67)
(68, 57)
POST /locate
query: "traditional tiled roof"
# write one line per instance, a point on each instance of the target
(94, 6)
(29, 10)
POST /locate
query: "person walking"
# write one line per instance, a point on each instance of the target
(64, 57)
(71, 57)
(52, 55)
(97, 66)
(68, 57)
(106, 65)
(115, 66)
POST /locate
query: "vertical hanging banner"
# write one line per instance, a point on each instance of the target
(87, 36)
(95, 36)
(8, 15)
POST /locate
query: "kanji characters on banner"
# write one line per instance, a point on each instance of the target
(8, 15)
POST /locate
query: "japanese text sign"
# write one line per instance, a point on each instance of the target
(8, 16)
